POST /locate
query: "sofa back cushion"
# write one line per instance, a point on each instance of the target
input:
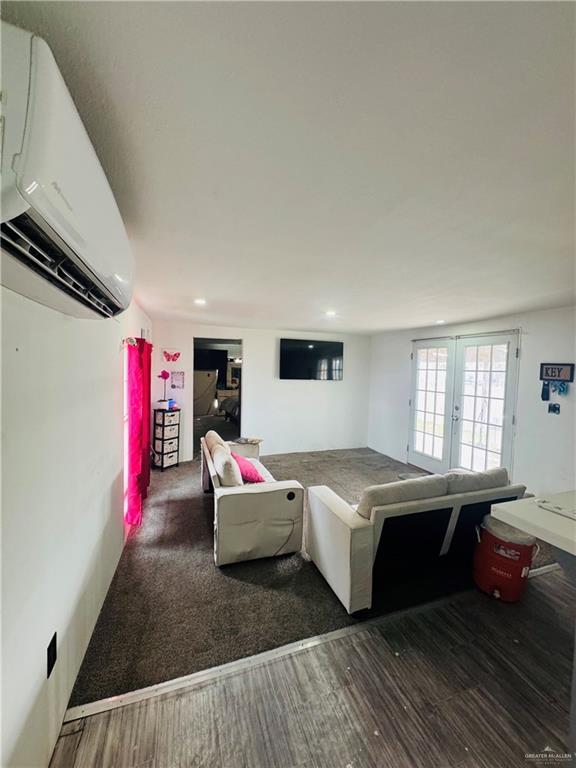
(226, 467)
(403, 490)
(464, 481)
(212, 439)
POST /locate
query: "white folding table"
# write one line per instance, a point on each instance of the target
(559, 531)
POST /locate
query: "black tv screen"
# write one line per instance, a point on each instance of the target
(309, 359)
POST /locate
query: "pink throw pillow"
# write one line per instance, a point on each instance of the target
(248, 471)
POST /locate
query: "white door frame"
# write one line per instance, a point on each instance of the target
(421, 458)
(512, 340)
(454, 394)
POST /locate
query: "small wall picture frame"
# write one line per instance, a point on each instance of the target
(177, 380)
(557, 372)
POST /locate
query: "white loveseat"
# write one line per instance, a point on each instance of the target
(398, 524)
(250, 520)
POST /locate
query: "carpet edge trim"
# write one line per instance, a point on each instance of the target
(249, 662)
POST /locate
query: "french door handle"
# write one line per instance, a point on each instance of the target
(455, 418)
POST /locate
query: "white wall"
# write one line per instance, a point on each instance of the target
(62, 505)
(289, 415)
(544, 456)
(62, 527)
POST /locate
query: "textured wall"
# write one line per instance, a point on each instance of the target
(544, 455)
(62, 506)
(289, 415)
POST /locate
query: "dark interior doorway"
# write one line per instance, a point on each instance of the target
(217, 388)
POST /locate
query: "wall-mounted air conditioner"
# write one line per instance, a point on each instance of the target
(63, 240)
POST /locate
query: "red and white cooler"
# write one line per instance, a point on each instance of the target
(502, 559)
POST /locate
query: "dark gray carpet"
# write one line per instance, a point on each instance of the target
(170, 612)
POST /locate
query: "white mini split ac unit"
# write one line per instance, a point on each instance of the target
(63, 240)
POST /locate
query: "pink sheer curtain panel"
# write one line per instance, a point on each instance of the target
(138, 426)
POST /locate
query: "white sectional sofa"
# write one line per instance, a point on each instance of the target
(250, 520)
(399, 524)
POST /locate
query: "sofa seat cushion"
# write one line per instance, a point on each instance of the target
(465, 481)
(403, 490)
(262, 470)
(212, 439)
(226, 467)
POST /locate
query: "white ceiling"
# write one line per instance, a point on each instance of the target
(397, 162)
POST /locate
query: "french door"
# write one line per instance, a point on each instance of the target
(462, 404)
(432, 404)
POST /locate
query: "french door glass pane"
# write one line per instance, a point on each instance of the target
(466, 456)
(495, 439)
(470, 359)
(483, 387)
(493, 460)
(467, 432)
(431, 365)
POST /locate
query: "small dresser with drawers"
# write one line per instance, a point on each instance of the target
(166, 439)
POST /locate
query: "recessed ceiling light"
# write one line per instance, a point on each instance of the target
(330, 313)
(200, 302)
(440, 322)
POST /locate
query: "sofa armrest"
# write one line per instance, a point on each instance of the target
(341, 544)
(260, 520)
(252, 491)
(248, 450)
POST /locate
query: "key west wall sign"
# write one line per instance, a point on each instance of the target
(556, 371)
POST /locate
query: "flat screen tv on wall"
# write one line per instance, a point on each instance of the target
(309, 359)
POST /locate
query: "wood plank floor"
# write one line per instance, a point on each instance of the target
(467, 682)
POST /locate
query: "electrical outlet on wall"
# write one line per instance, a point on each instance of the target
(51, 655)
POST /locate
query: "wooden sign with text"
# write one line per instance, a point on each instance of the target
(556, 371)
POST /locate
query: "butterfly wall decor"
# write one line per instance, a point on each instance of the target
(170, 357)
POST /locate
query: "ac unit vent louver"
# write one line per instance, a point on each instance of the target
(23, 239)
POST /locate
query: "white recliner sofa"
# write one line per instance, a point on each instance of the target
(413, 521)
(250, 520)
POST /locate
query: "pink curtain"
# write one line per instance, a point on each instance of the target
(146, 387)
(138, 426)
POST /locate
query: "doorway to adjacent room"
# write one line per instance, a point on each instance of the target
(217, 388)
